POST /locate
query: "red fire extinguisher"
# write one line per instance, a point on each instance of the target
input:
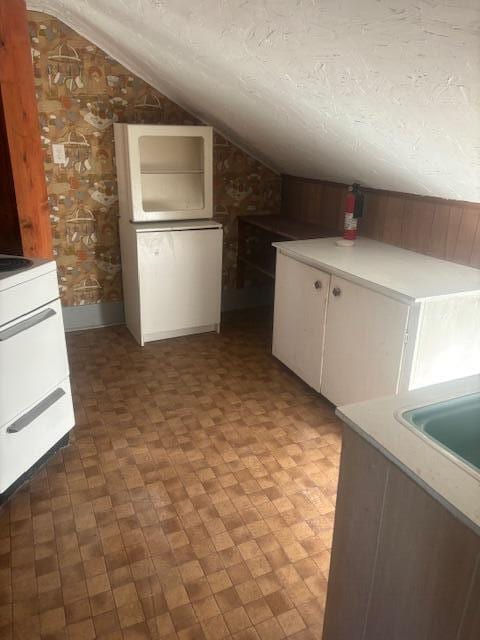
(353, 211)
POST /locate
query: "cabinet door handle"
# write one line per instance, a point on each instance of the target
(23, 325)
(317, 284)
(336, 291)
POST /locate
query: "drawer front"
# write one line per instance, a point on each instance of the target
(25, 441)
(28, 295)
(33, 359)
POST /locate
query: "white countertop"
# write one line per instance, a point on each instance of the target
(454, 482)
(405, 275)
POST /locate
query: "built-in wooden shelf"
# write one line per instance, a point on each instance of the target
(263, 262)
(272, 227)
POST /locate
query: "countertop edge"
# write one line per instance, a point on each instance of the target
(443, 476)
(347, 275)
(457, 513)
(285, 247)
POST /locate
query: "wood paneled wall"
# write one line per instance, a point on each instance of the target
(447, 229)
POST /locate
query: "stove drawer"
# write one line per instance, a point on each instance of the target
(33, 359)
(28, 295)
(29, 437)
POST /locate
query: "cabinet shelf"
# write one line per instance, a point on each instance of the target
(273, 227)
(166, 172)
(265, 263)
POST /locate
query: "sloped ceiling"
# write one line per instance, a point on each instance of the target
(383, 92)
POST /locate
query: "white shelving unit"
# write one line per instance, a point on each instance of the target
(171, 247)
(165, 171)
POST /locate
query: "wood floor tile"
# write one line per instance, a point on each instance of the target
(194, 502)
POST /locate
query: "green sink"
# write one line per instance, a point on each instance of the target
(453, 424)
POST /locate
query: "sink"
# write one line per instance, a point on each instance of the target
(453, 424)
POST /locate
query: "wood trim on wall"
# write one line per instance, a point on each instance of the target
(22, 127)
(10, 240)
(445, 229)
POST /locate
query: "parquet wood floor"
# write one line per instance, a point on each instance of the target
(196, 498)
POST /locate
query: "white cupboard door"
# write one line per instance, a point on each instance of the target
(180, 276)
(364, 343)
(301, 294)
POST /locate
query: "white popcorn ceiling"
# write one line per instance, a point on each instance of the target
(382, 92)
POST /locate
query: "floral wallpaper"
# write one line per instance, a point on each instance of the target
(81, 92)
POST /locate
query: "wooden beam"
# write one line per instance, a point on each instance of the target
(23, 131)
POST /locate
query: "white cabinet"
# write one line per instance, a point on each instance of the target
(301, 294)
(164, 172)
(364, 343)
(370, 330)
(171, 248)
(172, 278)
(180, 281)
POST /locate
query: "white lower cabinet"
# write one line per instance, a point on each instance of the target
(342, 339)
(301, 295)
(172, 278)
(180, 281)
(352, 342)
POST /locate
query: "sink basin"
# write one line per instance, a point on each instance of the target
(453, 424)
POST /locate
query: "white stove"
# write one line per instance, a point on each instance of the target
(36, 411)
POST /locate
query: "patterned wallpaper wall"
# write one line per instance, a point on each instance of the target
(81, 93)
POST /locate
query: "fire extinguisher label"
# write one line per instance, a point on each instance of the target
(350, 222)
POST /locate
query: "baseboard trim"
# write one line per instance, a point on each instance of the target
(233, 299)
(104, 314)
(177, 333)
(93, 316)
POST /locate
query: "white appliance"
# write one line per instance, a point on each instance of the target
(36, 411)
(171, 248)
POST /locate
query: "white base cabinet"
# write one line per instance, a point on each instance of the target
(172, 278)
(353, 339)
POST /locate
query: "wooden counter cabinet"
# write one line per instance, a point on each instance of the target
(403, 566)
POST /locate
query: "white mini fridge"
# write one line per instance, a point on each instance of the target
(171, 248)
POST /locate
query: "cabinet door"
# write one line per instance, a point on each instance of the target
(180, 280)
(301, 294)
(364, 343)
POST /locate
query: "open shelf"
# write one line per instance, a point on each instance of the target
(271, 228)
(172, 191)
(170, 153)
(265, 263)
(171, 173)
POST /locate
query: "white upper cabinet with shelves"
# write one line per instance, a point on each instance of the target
(385, 320)
(165, 172)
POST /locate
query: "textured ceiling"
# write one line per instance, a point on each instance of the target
(383, 92)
